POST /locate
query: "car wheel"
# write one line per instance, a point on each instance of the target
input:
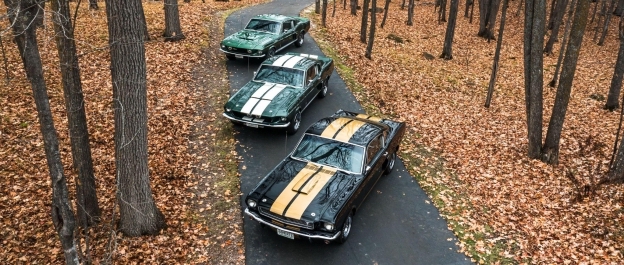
(270, 53)
(346, 229)
(323, 92)
(295, 123)
(299, 41)
(390, 163)
(230, 56)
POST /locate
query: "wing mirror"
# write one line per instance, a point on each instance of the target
(368, 168)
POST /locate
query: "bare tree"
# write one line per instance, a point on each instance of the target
(566, 34)
(534, 23)
(605, 28)
(556, 20)
(386, 7)
(354, 4)
(442, 12)
(173, 31)
(93, 5)
(22, 14)
(499, 43)
(364, 25)
(487, 18)
(324, 13)
(447, 50)
(410, 13)
(619, 8)
(550, 151)
(616, 82)
(371, 35)
(138, 212)
(317, 6)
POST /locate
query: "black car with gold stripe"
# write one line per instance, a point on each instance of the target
(316, 190)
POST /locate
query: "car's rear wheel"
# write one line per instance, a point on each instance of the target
(299, 41)
(323, 92)
(294, 124)
(270, 53)
(230, 56)
(390, 163)
(346, 229)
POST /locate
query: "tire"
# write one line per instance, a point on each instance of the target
(230, 56)
(270, 53)
(299, 41)
(294, 124)
(345, 231)
(323, 92)
(390, 163)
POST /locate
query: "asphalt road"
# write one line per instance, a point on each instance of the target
(396, 224)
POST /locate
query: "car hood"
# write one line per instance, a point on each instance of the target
(264, 99)
(305, 191)
(249, 39)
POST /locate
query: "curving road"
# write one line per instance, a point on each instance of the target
(396, 224)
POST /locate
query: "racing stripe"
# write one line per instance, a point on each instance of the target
(348, 130)
(291, 62)
(309, 56)
(333, 127)
(260, 107)
(285, 198)
(302, 200)
(281, 60)
(267, 97)
(273, 92)
(251, 103)
(262, 90)
(368, 117)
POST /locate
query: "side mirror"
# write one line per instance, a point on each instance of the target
(255, 73)
(368, 168)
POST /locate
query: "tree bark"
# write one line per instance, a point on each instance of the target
(88, 208)
(371, 35)
(556, 24)
(138, 212)
(22, 15)
(93, 5)
(386, 7)
(605, 28)
(324, 13)
(410, 13)
(468, 4)
(616, 82)
(619, 8)
(442, 14)
(354, 4)
(533, 72)
(499, 43)
(447, 50)
(487, 18)
(317, 6)
(173, 31)
(566, 34)
(364, 25)
(562, 98)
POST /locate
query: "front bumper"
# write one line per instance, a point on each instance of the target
(253, 123)
(308, 234)
(243, 54)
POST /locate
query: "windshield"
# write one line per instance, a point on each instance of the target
(345, 156)
(263, 25)
(280, 75)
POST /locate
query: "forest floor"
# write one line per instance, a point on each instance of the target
(504, 207)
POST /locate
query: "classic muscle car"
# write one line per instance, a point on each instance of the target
(280, 91)
(265, 35)
(315, 191)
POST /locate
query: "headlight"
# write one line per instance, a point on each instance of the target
(251, 203)
(283, 119)
(228, 109)
(249, 51)
(328, 226)
(222, 46)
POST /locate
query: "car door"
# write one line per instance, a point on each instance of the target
(373, 169)
(312, 81)
(287, 34)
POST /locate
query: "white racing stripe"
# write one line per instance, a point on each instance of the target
(260, 107)
(262, 90)
(267, 98)
(291, 63)
(274, 91)
(281, 60)
(309, 56)
(249, 105)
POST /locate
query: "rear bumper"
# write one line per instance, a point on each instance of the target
(253, 123)
(307, 234)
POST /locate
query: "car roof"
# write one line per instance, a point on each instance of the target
(272, 17)
(290, 61)
(352, 129)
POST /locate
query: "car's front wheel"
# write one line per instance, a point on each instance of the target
(346, 229)
(299, 41)
(294, 124)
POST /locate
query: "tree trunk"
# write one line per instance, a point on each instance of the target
(616, 82)
(386, 7)
(487, 18)
(556, 24)
(364, 25)
(619, 8)
(499, 43)
(442, 14)
(173, 31)
(88, 208)
(371, 35)
(138, 212)
(21, 16)
(566, 34)
(447, 50)
(468, 4)
(410, 13)
(333, 8)
(603, 10)
(553, 136)
(354, 4)
(403, 5)
(93, 5)
(324, 13)
(606, 23)
(317, 6)
(492, 19)
(553, 13)
(533, 72)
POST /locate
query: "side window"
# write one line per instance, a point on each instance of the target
(373, 148)
(311, 73)
(287, 26)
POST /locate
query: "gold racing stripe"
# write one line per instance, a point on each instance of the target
(288, 193)
(364, 116)
(303, 200)
(349, 130)
(333, 127)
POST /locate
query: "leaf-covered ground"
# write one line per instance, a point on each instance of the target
(504, 207)
(192, 163)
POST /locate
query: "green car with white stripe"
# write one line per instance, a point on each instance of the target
(282, 88)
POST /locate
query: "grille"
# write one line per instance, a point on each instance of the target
(298, 223)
